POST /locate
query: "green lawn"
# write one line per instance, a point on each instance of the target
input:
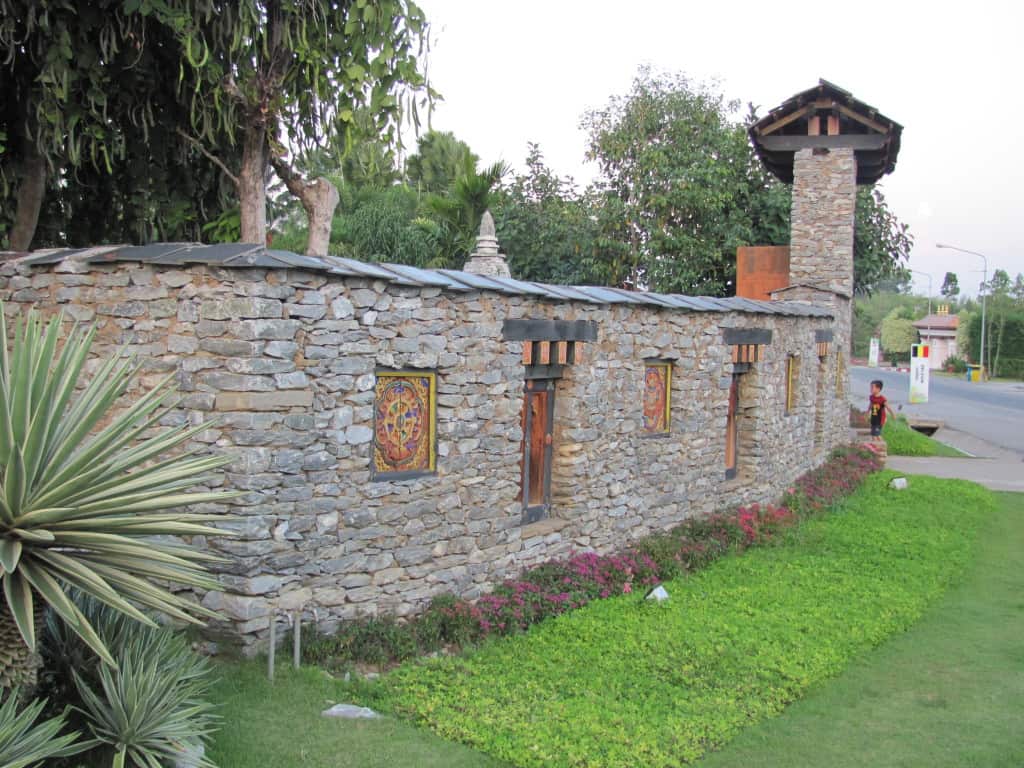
(902, 440)
(627, 683)
(949, 692)
(279, 726)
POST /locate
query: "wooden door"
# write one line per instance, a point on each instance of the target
(538, 419)
(731, 428)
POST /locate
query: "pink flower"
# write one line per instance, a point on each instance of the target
(627, 588)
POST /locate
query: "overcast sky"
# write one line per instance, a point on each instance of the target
(513, 71)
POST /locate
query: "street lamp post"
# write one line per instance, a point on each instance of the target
(929, 318)
(983, 286)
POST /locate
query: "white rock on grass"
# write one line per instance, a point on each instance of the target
(898, 484)
(349, 712)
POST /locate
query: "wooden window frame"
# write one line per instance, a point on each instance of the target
(376, 474)
(792, 383)
(667, 365)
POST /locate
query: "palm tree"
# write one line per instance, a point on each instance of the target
(84, 491)
(457, 213)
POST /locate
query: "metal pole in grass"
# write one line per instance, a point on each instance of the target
(296, 637)
(270, 651)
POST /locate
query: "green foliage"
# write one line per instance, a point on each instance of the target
(681, 189)
(152, 706)
(548, 230)
(950, 286)
(85, 489)
(1004, 335)
(457, 213)
(955, 364)
(903, 440)
(625, 682)
(90, 95)
(898, 333)
(881, 244)
(684, 174)
(438, 161)
(23, 743)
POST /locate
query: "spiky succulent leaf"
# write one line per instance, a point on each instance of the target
(24, 743)
(86, 487)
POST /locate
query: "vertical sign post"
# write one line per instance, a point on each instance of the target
(873, 353)
(919, 373)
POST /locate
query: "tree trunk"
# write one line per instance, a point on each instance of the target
(319, 198)
(252, 186)
(19, 666)
(31, 189)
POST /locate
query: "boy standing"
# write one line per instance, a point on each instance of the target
(877, 407)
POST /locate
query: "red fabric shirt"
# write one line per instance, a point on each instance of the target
(878, 408)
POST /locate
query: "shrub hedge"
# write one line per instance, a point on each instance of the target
(558, 586)
(627, 682)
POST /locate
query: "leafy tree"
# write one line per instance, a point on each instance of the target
(276, 74)
(898, 332)
(547, 228)
(91, 118)
(683, 189)
(681, 168)
(439, 160)
(881, 243)
(950, 286)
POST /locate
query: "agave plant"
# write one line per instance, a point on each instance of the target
(151, 708)
(86, 486)
(23, 743)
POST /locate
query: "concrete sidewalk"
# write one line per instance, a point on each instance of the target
(997, 474)
(991, 466)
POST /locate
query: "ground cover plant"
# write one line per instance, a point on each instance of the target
(947, 693)
(625, 682)
(559, 586)
(903, 440)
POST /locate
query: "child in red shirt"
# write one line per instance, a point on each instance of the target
(877, 406)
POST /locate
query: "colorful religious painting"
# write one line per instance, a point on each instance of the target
(404, 426)
(656, 400)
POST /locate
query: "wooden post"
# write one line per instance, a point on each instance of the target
(563, 352)
(814, 126)
(833, 125)
(527, 353)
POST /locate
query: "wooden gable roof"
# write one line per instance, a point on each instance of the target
(827, 117)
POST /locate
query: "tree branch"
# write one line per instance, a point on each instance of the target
(209, 155)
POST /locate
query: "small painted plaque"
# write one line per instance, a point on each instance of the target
(404, 427)
(656, 401)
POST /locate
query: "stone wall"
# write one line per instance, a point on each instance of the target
(281, 365)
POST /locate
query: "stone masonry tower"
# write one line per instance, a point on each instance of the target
(825, 142)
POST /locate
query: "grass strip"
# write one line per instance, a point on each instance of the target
(624, 682)
(948, 693)
(903, 440)
(279, 724)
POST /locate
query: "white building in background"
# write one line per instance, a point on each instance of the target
(938, 331)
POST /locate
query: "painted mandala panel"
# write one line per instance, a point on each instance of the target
(404, 423)
(655, 402)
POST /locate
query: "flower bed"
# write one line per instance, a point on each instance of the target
(559, 586)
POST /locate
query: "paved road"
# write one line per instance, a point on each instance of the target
(993, 412)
